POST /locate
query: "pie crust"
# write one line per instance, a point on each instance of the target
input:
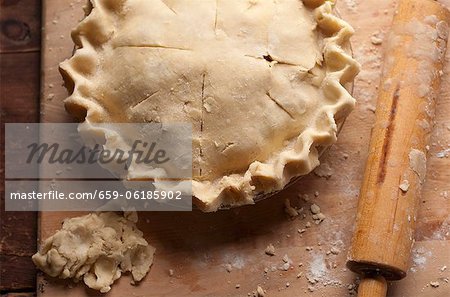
(261, 81)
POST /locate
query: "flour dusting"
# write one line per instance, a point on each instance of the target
(318, 268)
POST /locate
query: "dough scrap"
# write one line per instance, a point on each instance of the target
(96, 248)
(404, 186)
(418, 163)
(261, 82)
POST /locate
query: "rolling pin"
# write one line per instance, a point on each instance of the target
(396, 164)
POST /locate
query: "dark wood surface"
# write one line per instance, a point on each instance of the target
(20, 79)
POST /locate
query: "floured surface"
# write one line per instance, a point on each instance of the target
(237, 239)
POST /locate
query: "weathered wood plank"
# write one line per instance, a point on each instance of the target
(20, 87)
(19, 97)
(20, 26)
(31, 294)
(17, 273)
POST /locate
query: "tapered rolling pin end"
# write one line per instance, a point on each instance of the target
(372, 287)
(374, 277)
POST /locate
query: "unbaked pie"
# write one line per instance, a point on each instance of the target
(261, 81)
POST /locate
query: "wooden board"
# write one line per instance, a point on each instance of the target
(197, 246)
(19, 103)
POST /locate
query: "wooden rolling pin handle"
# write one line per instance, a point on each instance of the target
(372, 287)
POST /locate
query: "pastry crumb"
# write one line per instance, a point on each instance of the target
(434, 284)
(285, 266)
(418, 163)
(376, 40)
(443, 154)
(228, 267)
(318, 218)
(404, 186)
(335, 250)
(260, 292)
(270, 250)
(304, 197)
(315, 209)
(292, 212)
(324, 170)
(50, 96)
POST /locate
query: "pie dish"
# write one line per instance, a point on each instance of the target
(261, 82)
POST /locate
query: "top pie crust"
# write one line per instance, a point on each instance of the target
(261, 82)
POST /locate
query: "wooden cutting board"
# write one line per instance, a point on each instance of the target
(198, 246)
